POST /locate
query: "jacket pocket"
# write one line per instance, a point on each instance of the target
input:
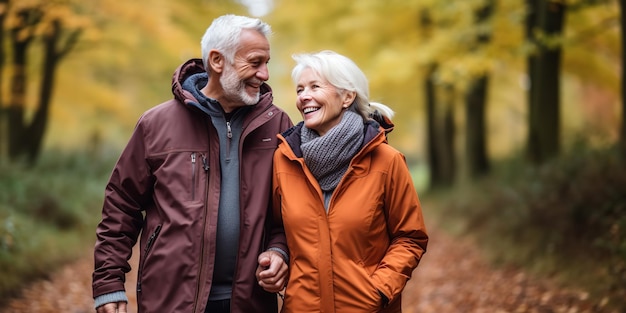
(179, 176)
(199, 164)
(194, 177)
(146, 252)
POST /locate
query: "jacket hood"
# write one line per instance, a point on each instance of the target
(384, 122)
(184, 71)
(195, 66)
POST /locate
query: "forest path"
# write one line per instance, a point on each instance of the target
(452, 277)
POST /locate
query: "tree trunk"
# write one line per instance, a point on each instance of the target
(21, 36)
(441, 133)
(26, 139)
(37, 128)
(475, 104)
(544, 114)
(17, 101)
(431, 129)
(531, 22)
(446, 142)
(4, 127)
(475, 131)
(622, 136)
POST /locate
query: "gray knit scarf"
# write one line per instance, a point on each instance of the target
(329, 156)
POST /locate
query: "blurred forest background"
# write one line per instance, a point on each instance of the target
(510, 113)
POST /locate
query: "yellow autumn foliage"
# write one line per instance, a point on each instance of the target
(129, 49)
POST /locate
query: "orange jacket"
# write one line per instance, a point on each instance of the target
(371, 240)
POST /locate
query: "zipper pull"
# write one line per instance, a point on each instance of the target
(151, 239)
(230, 133)
(193, 158)
(146, 249)
(205, 163)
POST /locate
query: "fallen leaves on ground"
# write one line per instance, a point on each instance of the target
(451, 278)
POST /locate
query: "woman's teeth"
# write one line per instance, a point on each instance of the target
(309, 110)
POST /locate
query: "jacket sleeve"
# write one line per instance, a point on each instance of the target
(405, 223)
(277, 233)
(127, 192)
(277, 238)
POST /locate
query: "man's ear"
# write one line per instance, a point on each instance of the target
(216, 61)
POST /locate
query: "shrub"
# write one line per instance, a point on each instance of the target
(566, 218)
(48, 214)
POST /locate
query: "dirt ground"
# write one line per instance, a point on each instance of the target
(452, 277)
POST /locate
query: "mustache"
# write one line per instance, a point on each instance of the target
(255, 81)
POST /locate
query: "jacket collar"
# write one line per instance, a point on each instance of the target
(195, 66)
(372, 130)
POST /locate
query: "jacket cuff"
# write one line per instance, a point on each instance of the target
(118, 296)
(282, 253)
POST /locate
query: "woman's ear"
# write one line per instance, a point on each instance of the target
(216, 61)
(348, 98)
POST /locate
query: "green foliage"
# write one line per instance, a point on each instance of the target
(48, 214)
(565, 219)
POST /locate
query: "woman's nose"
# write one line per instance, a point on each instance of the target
(304, 96)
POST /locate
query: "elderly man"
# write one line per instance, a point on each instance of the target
(194, 183)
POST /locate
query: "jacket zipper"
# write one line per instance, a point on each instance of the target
(229, 134)
(149, 244)
(193, 176)
(205, 166)
(205, 162)
(229, 131)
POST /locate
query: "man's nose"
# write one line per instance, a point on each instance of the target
(263, 73)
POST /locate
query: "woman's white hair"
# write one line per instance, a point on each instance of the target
(344, 75)
(224, 34)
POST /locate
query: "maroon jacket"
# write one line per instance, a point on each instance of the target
(166, 186)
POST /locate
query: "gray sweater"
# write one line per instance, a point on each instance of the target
(229, 128)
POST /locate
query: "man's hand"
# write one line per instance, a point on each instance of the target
(113, 307)
(272, 271)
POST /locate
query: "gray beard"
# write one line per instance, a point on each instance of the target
(235, 89)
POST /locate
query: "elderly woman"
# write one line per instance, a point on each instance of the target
(351, 214)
